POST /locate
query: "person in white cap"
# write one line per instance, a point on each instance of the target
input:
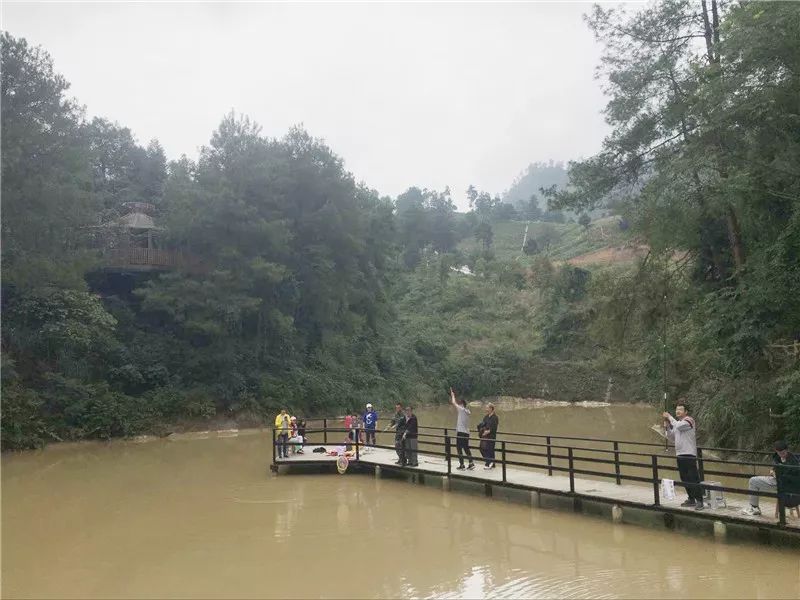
(296, 439)
(370, 420)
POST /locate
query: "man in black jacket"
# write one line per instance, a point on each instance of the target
(398, 423)
(487, 430)
(784, 464)
(410, 437)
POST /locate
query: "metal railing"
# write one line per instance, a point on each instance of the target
(576, 458)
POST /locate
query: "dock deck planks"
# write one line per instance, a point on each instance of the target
(631, 493)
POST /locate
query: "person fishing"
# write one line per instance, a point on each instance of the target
(410, 437)
(398, 423)
(769, 483)
(487, 431)
(682, 431)
(462, 431)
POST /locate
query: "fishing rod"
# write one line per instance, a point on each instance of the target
(664, 361)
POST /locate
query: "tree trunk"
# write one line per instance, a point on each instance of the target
(715, 23)
(707, 33)
(735, 236)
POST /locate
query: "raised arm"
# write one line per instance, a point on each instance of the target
(681, 425)
(453, 398)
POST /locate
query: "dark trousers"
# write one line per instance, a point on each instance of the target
(687, 467)
(370, 436)
(487, 450)
(411, 446)
(462, 447)
(400, 449)
(283, 445)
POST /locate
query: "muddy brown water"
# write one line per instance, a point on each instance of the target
(201, 518)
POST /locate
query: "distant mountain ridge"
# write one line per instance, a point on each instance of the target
(530, 181)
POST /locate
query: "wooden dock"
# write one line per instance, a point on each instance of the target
(619, 496)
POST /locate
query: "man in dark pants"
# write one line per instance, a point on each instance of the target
(462, 431)
(769, 483)
(410, 437)
(370, 420)
(282, 426)
(398, 423)
(683, 433)
(487, 430)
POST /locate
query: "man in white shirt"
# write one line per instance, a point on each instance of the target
(462, 431)
(682, 431)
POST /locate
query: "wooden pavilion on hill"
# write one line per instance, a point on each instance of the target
(133, 242)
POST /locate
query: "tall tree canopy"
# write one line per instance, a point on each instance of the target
(704, 101)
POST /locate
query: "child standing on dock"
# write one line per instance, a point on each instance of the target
(295, 439)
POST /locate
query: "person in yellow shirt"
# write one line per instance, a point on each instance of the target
(282, 427)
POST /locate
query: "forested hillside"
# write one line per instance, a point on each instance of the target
(532, 180)
(263, 275)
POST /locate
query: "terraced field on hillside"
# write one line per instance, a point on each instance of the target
(602, 243)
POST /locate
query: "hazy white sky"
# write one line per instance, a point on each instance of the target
(408, 93)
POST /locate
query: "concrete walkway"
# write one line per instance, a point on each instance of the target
(629, 492)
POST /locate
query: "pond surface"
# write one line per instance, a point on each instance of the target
(201, 518)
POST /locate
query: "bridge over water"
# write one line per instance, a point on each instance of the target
(614, 478)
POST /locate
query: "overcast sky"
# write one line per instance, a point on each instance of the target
(408, 94)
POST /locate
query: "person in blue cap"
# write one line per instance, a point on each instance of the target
(370, 420)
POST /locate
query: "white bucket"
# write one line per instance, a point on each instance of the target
(668, 489)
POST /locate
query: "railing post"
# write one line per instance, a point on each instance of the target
(781, 510)
(656, 497)
(444, 432)
(571, 474)
(356, 436)
(549, 457)
(503, 453)
(616, 462)
(324, 431)
(274, 458)
(700, 468)
(447, 451)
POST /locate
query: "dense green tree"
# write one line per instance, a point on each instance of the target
(703, 159)
(45, 172)
(426, 219)
(484, 234)
(537, 176)
(303, 288)
(531, 247)
(530, 210)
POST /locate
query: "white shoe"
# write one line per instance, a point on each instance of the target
(752, 511)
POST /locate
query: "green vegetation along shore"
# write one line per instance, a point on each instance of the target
(138, 292)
